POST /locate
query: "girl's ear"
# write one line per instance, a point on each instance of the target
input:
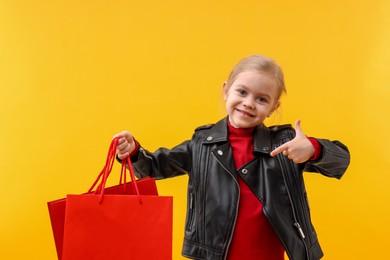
(273, 110)
(277, 105)
(225, 90)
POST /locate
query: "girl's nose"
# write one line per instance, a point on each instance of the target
(248, 103)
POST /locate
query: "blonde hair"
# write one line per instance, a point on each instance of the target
(261, 64)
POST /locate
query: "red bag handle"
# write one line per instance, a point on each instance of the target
(103, 175)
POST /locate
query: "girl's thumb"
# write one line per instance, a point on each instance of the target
(298, 129)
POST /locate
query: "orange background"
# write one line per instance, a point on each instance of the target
(74, 73)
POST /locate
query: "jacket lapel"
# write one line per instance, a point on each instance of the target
(262, 140)
(218, 134)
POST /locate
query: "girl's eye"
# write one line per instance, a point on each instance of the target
(261, 100)
(241, 92)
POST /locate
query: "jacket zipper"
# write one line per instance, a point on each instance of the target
(303, 200)
(191, 216)
(238, 201)
(296, 222)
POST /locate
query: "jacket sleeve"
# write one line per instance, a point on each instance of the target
(163, 163)
(333, 162)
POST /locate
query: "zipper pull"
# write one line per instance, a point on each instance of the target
(300, 230)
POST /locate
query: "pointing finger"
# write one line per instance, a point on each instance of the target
(279, 149)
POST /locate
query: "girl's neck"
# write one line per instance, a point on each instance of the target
(240, 131)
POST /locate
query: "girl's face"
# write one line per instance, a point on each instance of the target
(250, 99)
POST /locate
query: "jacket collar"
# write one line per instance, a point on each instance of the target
(219, 133)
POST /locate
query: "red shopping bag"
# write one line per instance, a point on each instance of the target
(146, 186)
(113, 223)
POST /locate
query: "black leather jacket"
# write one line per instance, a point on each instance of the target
(213, 191)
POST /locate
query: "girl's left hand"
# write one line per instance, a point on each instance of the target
(299, 149)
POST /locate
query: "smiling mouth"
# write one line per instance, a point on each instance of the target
(244, 113)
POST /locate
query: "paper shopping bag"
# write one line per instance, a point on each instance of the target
(146, 186)
(57, 219)
(121, 227)
(58, 208)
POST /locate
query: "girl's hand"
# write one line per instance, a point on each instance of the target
(299, 149)
(126, 144)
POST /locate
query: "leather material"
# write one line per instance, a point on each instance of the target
(213, 192)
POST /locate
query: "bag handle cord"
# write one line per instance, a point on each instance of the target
(103, 175)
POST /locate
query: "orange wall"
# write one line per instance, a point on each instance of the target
(74, 73)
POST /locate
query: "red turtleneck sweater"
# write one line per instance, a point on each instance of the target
(253, 238)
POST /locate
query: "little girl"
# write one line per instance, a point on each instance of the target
(246, 194)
